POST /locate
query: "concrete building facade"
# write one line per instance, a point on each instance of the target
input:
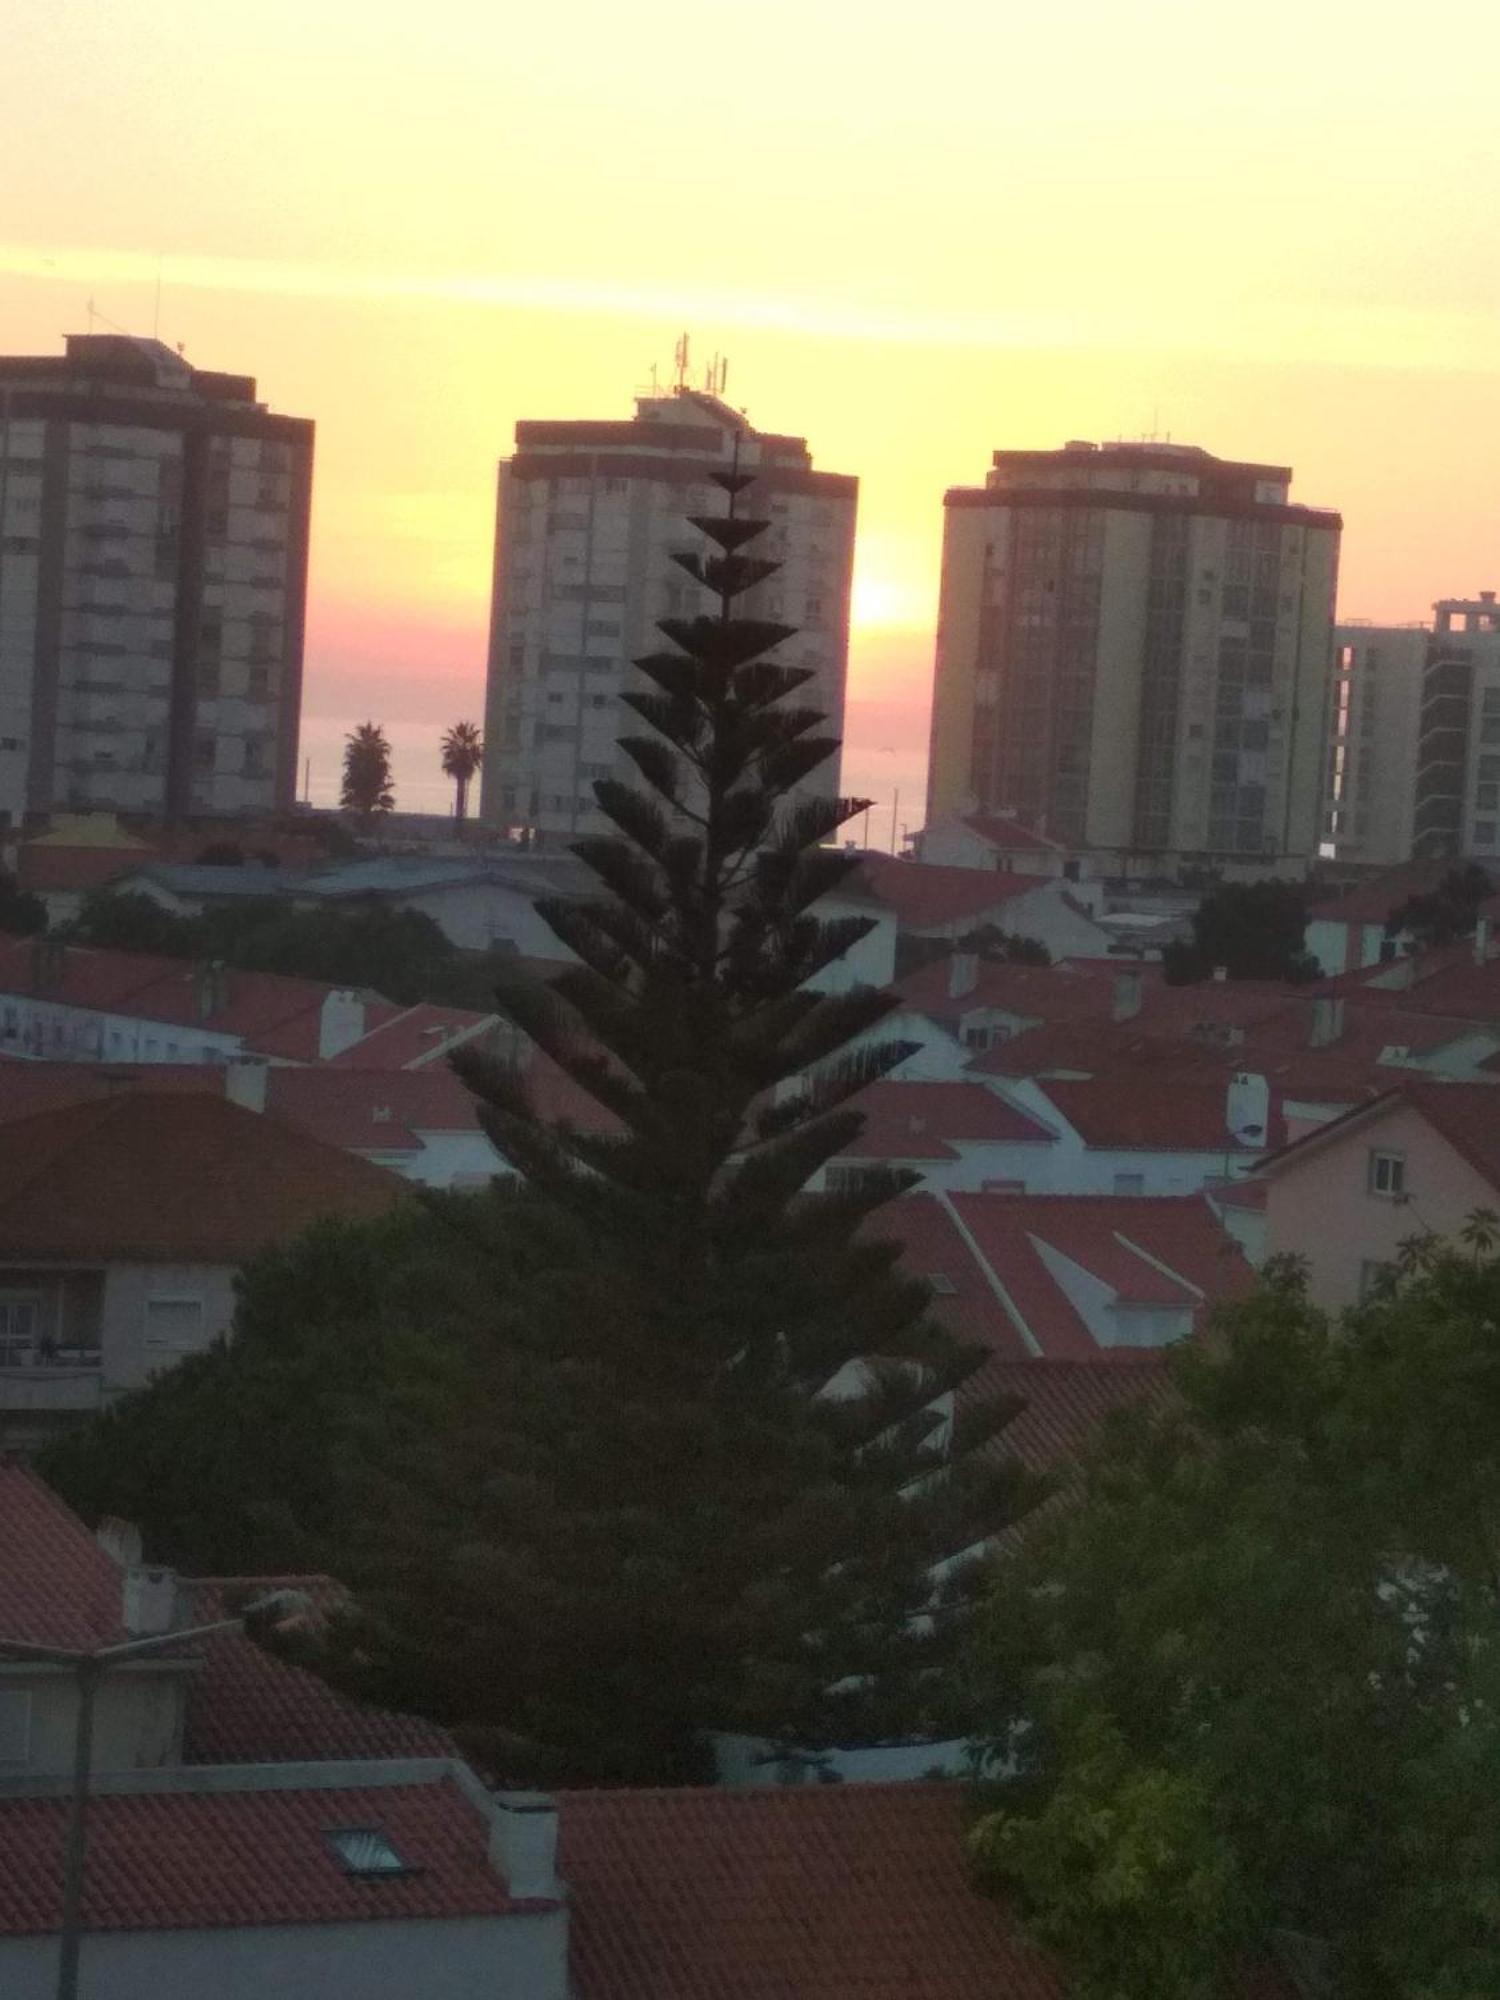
(1375, 701)
(1134, 647)
(589, 517)
(1413, 756)
(153, 577)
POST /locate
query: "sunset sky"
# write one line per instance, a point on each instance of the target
(916, 232)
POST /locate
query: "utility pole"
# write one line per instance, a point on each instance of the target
(88, 1670)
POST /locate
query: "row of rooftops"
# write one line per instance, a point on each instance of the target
(292, 1806)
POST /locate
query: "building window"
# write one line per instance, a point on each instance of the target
(1130, 1183)
(20, 1322)
(15, 1728)
(174, 1326)
(978, 1038)
(1387, 1175)
(1371, 1275)
(364, 1850)
(1484, 833)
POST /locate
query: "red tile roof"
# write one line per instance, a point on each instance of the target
(244, 1706)
(1128, 1110)
(170, 1178)
(1371, 901)
(1146, 1249)
(919, 1120)
(934, 1248)
(269, 1012)
(26, 1087)
(827, 1892)
(57, 1585)
(416, 1038)
(1067, 992)
(1012, 834)
(926, 897)
(1067, 1401)
(207, 1860)
(370, 1110)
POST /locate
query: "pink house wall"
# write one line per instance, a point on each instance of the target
(1321, 1209)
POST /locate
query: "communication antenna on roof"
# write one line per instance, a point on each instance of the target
(680, 358)
(717, 375)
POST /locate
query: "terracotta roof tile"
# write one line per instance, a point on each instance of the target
(376, 1110)
(416, 1038)
(171, 1178)
(925, 896)
(1127, 1109)
(57, 1585)
(206, 1860)
(244, 1706)
(828, 1892)
(918, 1120)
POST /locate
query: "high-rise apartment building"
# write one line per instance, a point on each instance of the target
(153, 576)
(1133, 653)
(1374, 723)
(1413, 739)
(589, 517)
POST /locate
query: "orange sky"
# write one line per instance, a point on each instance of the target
(916, 233)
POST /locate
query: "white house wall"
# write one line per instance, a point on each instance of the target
(476, 1958)
(47, 1028)
(128, 1292)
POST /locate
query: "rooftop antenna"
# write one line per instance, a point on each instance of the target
(156, 314)
(680, 357)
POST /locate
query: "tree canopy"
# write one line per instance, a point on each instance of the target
(1444, 914)
(693, 1454)
(1253, 930)
(402, 954)
(367, 789)
(463, 753)
(21, 913)
(1256, 1671)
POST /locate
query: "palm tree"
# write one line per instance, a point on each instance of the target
(367, 772)
(463, 752)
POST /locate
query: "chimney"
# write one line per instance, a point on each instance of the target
(1481, 940)
(1327, 1023)
(341, 1023)
(1221, 972)
(120, 1540)
(1129, 991)
(245, 1084)
(523, 1845)
(212, 982)
(963, 974)
(150, 1600)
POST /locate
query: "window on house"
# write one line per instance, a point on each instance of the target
(1130, 1183)
(851, 1179)
(174, 1326)
(15, 1728)
(1387, 1174)
(978, 1038)
(20, 1323)
(365, 1850)
(1371, 1273)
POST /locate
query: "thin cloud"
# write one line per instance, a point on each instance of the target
(1300, 335)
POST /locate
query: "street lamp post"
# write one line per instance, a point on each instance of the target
(89, 1669)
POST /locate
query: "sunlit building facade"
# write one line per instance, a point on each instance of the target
(589, 516)
(1413, 753)
(153, 582)
(1134, 649)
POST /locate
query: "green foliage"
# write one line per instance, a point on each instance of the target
(570, 1442)
(402, 954)
(1446, 913)
(1253, 929)
(1259, 1665)
(21, 914)
(366, 786)
(463, 753)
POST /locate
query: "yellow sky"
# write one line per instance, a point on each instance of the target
(918, 233)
